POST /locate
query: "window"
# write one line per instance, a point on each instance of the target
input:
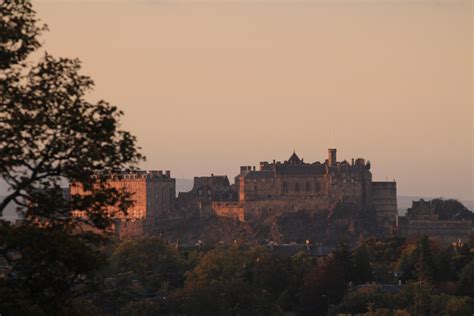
(285, 187)
(297, 187)
(308, 187)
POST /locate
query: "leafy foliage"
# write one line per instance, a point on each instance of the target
(48, 265)
(19, 31)
(253, 280)
(466, 280)
(451, 209)
(51, 135)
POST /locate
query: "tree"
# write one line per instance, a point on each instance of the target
(51, 135)
(50, 132)
(362, 268)
(451, 210)
(152, 261)
(142, 308)
(47, 266)
(19, 31)
(325, 285)
(466, 280)
(342, 256)
(425, 267)
(225, 282)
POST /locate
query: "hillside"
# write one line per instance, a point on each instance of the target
(341, 223)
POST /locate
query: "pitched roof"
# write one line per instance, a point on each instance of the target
(294, 159)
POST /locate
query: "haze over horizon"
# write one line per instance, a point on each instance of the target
(207, 86)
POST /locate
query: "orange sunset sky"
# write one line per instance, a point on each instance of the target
(207, 86)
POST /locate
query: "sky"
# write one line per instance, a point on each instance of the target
(207, 86)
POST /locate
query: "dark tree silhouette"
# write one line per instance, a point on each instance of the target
(363, 271)
(19, 30)
(50, 132)
(51, 135)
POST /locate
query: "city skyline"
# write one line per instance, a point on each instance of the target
(208, 87)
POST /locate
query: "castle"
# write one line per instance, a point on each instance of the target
(153, 193)
(291, 186)
(275, 189)
(421, 219)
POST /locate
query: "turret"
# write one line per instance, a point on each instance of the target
(332, 157)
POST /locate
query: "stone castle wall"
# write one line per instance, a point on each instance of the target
(446, 232)
(152, 193)
(137, 187)
(160, 196)
(294, 186)
(234, 210)
(337, 187)
(384, 199)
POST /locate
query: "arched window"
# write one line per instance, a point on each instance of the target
(285, 187)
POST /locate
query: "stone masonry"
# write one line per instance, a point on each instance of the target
(153, 194)
(295, 185)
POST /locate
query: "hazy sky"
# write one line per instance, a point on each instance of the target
(208, 86)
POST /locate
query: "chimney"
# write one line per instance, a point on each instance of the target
(332, 157)
(245, 168)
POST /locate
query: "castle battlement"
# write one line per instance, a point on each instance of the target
(293, 185)
(135, 174)
(153, 192)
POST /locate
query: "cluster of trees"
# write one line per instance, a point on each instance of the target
(50, 136)
(147, 276)
(451, 209)
(60, 264)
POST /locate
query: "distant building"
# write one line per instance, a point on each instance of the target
(205, 190)
(294, 185)
(421, 219)
(153, 194)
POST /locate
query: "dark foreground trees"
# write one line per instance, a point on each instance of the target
(51, 136)
(148, 276)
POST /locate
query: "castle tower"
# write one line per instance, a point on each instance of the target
(332, 157)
